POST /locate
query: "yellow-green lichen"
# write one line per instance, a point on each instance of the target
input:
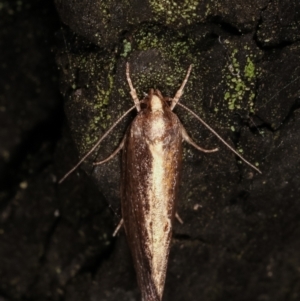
(126, 48)
(240, 84)
(102, 99)
(249, 69)
(181, 13)
(91, 77)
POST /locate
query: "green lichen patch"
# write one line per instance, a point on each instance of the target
(239, 76)
(91, 78)
(173, 12)
(126, 49)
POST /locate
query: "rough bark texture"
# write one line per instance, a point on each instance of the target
(241, 236)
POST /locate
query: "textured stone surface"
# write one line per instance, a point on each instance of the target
(240, 237)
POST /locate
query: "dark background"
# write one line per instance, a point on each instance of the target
(241, 236)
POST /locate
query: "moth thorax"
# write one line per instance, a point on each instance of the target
(156, 103)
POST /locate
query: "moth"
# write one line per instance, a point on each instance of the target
(151, 165)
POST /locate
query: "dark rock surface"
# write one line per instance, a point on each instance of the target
(241, 236)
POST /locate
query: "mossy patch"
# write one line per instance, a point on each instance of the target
(239, 77)
(181, 12)
(92, 80)
(126, 48)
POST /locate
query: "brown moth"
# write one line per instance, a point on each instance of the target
(150, 179)
(151, 164)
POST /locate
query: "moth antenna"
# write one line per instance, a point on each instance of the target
(113, 154)
(120, 224)
(95, 146)
(189, 140)
(179, 218)
(132, 90)
(220, 138)
(180, 91)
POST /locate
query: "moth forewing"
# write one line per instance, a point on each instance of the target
(150, 177)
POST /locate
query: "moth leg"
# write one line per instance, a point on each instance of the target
(180, 91)
(178, 218)
(189, 140)
(113, 154)
(118, 227)
(132, 90)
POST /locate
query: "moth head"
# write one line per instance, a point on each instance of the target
(155, 101)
